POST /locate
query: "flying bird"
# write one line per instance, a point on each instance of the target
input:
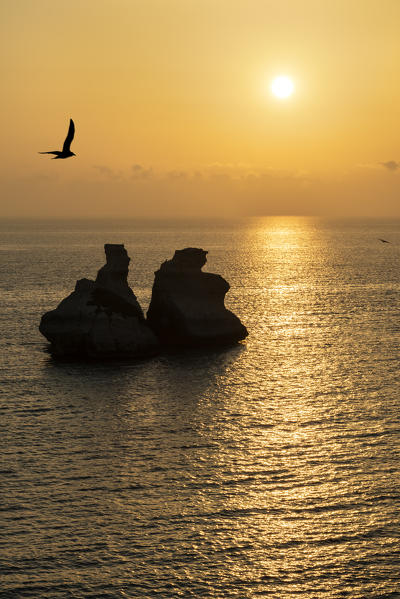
(66, 151)
(383, 240)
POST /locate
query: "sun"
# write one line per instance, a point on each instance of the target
(282, 87)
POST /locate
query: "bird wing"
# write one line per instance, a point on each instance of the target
(70, 136)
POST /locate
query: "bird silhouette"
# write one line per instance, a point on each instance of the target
(66, 151)
(383, 240)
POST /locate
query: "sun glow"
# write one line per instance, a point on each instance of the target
(282, 87)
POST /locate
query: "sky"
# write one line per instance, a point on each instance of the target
(174, 115)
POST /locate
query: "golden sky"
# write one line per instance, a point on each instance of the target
(173, 110)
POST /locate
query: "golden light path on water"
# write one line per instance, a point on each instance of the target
(283, 483)
(266, 469)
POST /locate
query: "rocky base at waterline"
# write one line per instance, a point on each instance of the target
(187, 304)
(101, 318)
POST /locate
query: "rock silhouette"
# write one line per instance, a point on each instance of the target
(101, 318)
(187, 305)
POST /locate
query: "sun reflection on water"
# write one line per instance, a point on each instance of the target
(267, 469)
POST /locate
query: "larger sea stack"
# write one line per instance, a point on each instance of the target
(101, 318)
(187, 304)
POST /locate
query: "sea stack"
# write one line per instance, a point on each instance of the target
(101, 318)
(187, 304)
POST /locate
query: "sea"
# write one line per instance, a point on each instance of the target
(265, 469)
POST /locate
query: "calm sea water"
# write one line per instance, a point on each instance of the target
(270, 469)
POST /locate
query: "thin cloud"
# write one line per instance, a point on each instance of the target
(249, 172)
(107, 171)
(391, 165)
(139, 172)
(176, 175)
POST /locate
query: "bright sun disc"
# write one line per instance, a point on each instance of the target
(282, 86)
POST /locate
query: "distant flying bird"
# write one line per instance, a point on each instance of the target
(66, 151)
(383, 240)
